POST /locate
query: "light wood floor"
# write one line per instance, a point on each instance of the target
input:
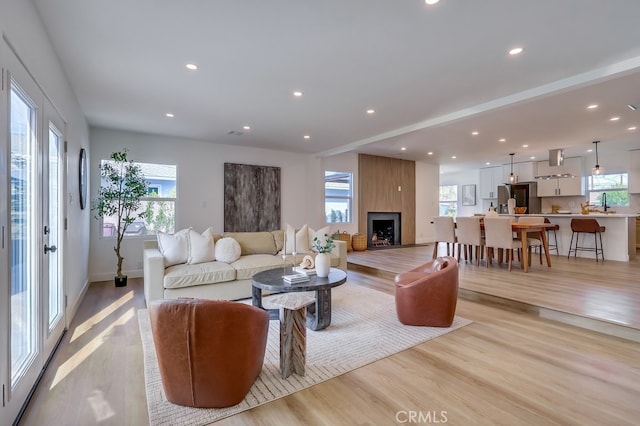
(509, 367)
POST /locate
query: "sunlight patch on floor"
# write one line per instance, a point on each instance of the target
(69, 365)
(86, 326)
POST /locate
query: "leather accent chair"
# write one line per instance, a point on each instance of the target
(427, 295)
(210, 352)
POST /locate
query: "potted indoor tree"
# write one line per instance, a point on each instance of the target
(122, 187)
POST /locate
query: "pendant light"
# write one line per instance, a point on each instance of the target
(512, 178)
(596, 170)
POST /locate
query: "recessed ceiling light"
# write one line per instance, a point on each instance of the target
(516, 51)
(192, 67)
(371, 111)
(246, 127)
(297, 94)
(487, 163)
(589, 150)
(307, 137)
(592, 106)
(453, 157)
(632, 128)
(525, 146)
(532, 158)
(430, 153)
(169, 115)
(404, 148)
(474, 133)
(502, 140)
(614, 119)
(431, 2)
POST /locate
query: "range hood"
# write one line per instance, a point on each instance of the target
(556, 158)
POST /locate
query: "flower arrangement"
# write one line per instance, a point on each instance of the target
(328, 245)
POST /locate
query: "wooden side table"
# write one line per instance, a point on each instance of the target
(293, 331)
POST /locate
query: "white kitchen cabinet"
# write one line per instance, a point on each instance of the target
(525, 172)
(634, 172)
(561, 187)
(490, 178)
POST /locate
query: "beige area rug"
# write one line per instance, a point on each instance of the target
(364, 328)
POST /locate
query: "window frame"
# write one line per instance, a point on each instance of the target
(150, 198)
(623, 176)
(451, 202)
(348, 198)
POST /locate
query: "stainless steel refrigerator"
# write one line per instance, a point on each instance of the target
(525, 194)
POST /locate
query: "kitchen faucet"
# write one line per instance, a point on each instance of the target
(604, 201)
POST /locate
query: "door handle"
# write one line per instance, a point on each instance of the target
(51, 249)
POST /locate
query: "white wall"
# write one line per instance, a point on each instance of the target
(427, 184)
(200, 168)
(21, 26)
(467, 177)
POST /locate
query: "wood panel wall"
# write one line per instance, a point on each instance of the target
(379, 179)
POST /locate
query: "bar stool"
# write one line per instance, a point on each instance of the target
(555, 236)
(586, 226)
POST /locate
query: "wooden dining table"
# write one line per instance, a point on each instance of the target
(522, 229)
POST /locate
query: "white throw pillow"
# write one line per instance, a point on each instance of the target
(174, 247)
(320, 234)
(201, 247)
(299, 243)
(227, 250)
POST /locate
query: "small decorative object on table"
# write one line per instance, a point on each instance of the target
(323, 259)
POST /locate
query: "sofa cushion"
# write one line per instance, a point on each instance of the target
(201, 247)
(227, 250)
(296, 240)
(174, 247)
(186, 275)
(278, 236)
(247, 266)
(254, 242)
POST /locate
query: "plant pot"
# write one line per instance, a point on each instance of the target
(323, 264)
(121, 281)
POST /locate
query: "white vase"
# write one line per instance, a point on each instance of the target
(323, 263)
(511, 205)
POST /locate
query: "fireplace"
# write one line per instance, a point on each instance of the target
(385, 227)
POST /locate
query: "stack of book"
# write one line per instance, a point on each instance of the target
(295, 278)
(300, 270)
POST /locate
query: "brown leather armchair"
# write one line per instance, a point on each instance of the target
(210, 352)
(427, 295)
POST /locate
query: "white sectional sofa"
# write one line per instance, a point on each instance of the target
(223, 280)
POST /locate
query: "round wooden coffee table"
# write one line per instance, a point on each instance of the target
(318, 313)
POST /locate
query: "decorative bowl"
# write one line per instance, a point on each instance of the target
(520, 210)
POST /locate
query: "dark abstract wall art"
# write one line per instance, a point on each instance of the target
(251, 198)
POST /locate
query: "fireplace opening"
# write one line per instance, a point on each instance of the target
(383, 229)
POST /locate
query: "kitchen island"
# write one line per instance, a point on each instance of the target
(618, 240)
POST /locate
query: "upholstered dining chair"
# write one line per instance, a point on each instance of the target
(427, 295)
(533, 239)
(498, 234)
(445, 232)
(210, 352)
(469, 235)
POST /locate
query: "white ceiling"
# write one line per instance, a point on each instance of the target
(432, 73)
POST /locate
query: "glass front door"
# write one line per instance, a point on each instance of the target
(32, 248)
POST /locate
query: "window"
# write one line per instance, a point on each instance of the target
(158, 206)
(614, 185)
(337, 196)
(448, 200)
